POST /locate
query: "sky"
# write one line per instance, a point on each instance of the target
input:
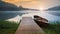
(37, 4)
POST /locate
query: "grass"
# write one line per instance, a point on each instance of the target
(8, 27)
(53, 28)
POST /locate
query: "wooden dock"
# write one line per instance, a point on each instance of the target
(28, 26)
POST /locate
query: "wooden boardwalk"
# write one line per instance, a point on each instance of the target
(28, 26)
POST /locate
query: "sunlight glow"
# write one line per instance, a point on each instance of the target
(15, 19)
(41, 9)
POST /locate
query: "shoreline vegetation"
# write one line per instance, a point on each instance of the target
(53, 28)
(7, 27)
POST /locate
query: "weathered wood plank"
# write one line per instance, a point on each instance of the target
(28, 26)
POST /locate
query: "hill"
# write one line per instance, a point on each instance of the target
(4, 6)
(56, 8)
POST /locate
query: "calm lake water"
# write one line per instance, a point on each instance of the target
(17, 15)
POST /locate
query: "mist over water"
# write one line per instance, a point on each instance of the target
(17, 15)
(49, 15)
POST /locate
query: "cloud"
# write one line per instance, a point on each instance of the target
(35, 3)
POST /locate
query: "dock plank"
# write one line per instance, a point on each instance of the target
(28, 26)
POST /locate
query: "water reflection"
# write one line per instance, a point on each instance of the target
(9, 14)
(17, 15)
(56, 13)
(15, 19)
